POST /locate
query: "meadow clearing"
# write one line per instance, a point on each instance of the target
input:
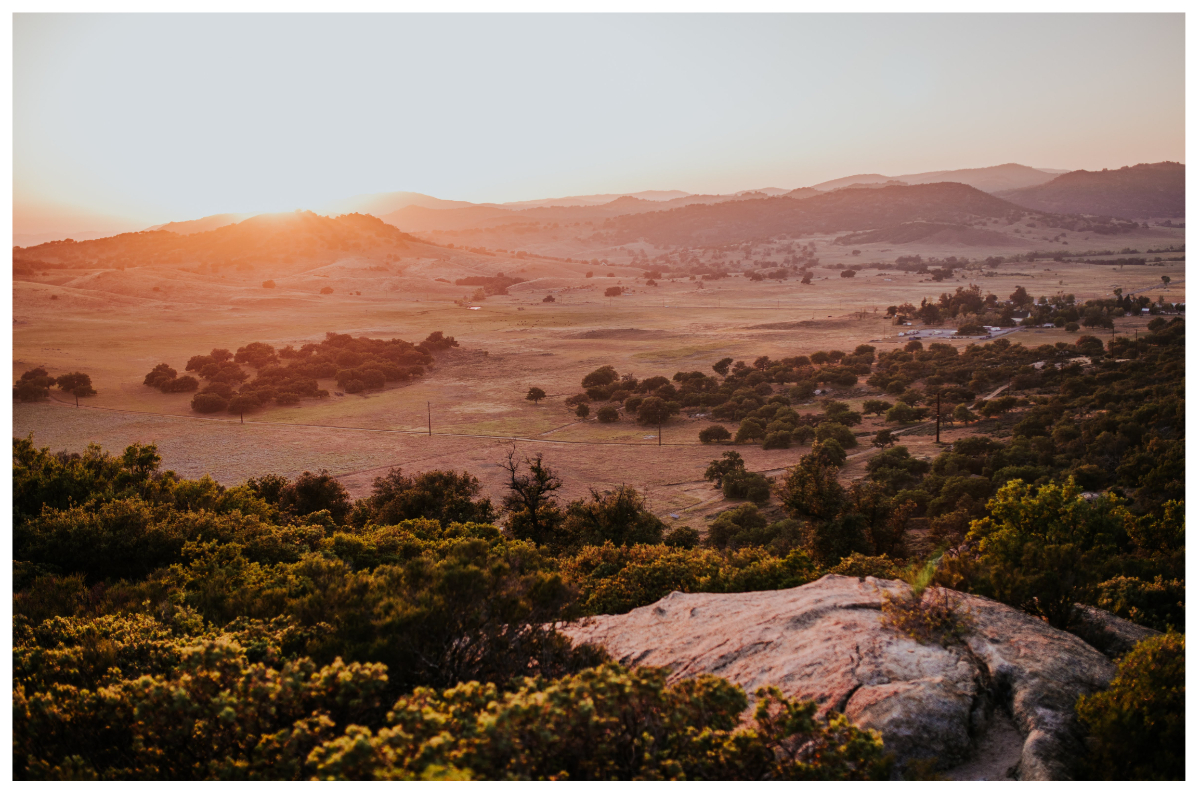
(116, 326)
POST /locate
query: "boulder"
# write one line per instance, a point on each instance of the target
(1108, 633)
(999, 703)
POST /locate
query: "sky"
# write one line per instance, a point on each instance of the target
(125, 120)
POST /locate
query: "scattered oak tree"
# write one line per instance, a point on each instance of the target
(76, 383)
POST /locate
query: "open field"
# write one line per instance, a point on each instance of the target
(113, 327)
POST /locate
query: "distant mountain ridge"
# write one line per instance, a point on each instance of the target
(266, 237)
(1143, 190)
(987, 179)
(828, 212)
(201, 225)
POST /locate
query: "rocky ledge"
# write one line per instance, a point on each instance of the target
(998, 705)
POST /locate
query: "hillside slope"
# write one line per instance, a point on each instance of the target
(201, 225)
(1143, 190)
(843, 210)
(267, 237)
(1002, 177)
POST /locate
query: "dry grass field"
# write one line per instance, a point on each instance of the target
(117, 325)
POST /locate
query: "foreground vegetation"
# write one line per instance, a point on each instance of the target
(174, 628)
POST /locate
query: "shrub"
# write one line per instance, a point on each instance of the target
(268, 284)
(778, 440)
(207, 403)
(904, 414)
(1157, 604)
(830, 452)
(287, 398)
(741, 484)
(714, 434)
(811, 489)
(184, 383)
(608, 414)
(1038, 550)
(158, 376)
(441, 495)
(313, 492)
(683, 536)
(326, 290)
(1136, 726)
(583, 410)
(857, 565)
(931, 616)
(839, 433)
(605, 723)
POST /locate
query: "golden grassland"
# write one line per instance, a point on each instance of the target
(116, 327)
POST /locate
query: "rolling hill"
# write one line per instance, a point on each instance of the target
(201, 225)
(988, 179)
(424, 218)
(386, 202)
(267, 238)
(1144, 190)
(843, 210)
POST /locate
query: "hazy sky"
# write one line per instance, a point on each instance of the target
(171, 117)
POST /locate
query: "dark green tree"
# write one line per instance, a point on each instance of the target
(445, 496)
(533, 511)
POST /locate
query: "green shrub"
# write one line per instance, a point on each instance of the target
(206, 403)
(714, 433)
(857, 565)
(607, 723)
(744, 485)
(1136, 726)
(1157, 604)
(838, 433)
(777, 440)
(683, 536)
(830, 452)
(1040, 549)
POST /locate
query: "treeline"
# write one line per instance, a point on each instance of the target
(972, 311)
(35, 384)
(356, 365)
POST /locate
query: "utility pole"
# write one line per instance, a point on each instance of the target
(429, 418)
(937, 430)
